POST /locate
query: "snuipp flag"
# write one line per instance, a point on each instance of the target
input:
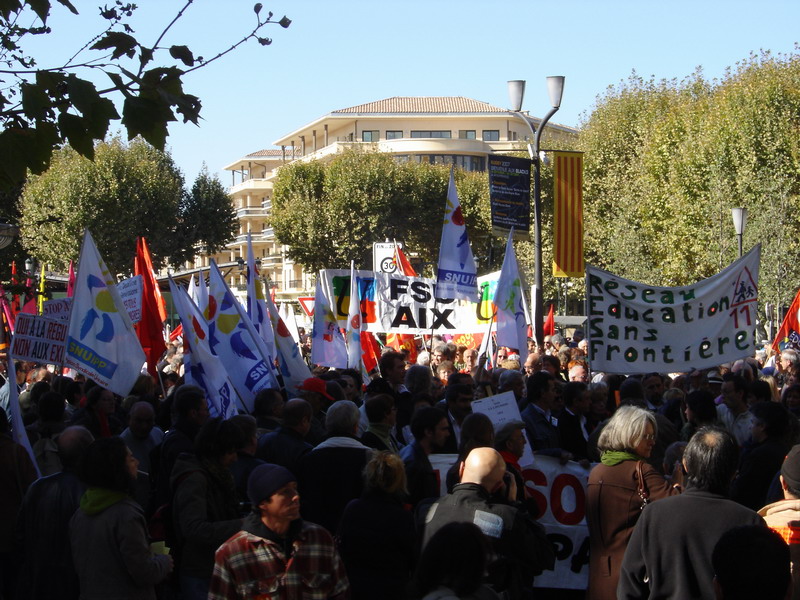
(327, 348)
(202, 367)
(101, 342)
(234, 340)
(293, 368)
(256, 303)
(457, 275)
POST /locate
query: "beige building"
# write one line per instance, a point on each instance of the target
(437, 130)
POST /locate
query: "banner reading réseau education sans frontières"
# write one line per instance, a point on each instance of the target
(637, 328)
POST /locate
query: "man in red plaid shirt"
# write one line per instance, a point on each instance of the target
(277, 555)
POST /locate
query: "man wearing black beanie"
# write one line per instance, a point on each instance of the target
(277, 554)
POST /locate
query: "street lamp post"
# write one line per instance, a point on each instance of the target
(516, 93)
(739, 223)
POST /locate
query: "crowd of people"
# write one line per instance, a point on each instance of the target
(329, 490)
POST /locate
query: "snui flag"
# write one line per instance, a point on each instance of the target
(327, 344)
(234, 340)
(457, 275)
(512, 325)
(568, 215)
(203, 369)
(101, 342)
(256, 303)
(292, 366)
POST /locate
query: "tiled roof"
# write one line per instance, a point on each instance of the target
(272, 152)
(417, 105)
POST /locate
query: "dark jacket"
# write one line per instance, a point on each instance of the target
(284, 447)
(43, 538)
(669, 554)
(542, 434)
(329, 477)
(571, 434)
(205, 513)
(518, 541)
(613, 506)
(757, 467)
(378, 545)
(178, 440)
(420, 476)
(16, 474)
(112, 555)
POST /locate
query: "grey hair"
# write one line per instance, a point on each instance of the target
(508, 377)
(342, 418)
(418, 378)
(626, 429)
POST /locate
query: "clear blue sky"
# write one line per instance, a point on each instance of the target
(339, 54)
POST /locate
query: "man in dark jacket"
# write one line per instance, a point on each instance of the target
(43, 525)
(287, 445)
(669, 554)
(430, 431)
(518, 541)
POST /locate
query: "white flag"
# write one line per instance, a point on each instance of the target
(202, 367)
(327, 344)
(235, 341)
(256, 305)
(354, 360)
(457, 275)
(512, 328)
(101, 342)
(292, 366)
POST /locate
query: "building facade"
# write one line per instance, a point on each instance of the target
(438, 130)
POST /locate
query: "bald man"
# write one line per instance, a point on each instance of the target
(517, 540)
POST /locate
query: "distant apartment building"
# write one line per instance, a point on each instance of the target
(438, 130)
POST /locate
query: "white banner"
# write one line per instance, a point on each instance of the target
(637, 328)
(39, 339)
(57, 309)
(130, 290)
(393, 303)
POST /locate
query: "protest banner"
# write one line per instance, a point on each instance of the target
(637, 328)
(57, 309)
(560, 494)
(394, 303)
(130, 290)
(39, 339)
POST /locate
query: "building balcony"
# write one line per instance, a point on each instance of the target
(268, 234)
(251, 211)
(249, 185)
(242, 239)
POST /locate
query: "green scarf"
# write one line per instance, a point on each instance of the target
(611, 458)
(96, 500)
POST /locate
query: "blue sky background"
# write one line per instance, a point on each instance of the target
(339, 54)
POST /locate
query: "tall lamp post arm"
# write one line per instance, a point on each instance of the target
(538, 135)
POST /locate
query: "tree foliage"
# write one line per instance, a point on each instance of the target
(667, 160)
(330, 214)
(127, 191)
(43, 106)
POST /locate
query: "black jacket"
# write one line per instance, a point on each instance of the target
(519, 542)
(284, 447)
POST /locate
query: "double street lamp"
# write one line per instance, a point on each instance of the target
(516, 93)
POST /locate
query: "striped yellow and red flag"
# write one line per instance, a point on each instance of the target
(568, 215)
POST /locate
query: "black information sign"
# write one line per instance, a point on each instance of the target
(510, 195)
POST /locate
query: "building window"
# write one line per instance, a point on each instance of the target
(491, 135)
(393, 135)
(466, 134)
(370, 136)
(432, 134)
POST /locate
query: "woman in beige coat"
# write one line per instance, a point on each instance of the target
(615, 496)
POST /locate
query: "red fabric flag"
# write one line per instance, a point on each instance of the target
(550, 322)
(789, 333)
(370, 351)
(403, 340)
(71, 280)
(150, 330)
(176, 333)
(403, 265)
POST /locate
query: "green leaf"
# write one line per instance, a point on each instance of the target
(74, 129)
(35, 101)
(122, 43)
(69, 5)
(24, 149)
(97, 111)
(183, 54)
(40, 7)
(285, 22)
(145, 55)
(148, 118)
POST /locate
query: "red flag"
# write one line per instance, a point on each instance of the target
(150, 330)
(370, 351)
(403, 340)
(550, 322)
(789, 333)
(401, 260)
(71, 280)
(176, 333)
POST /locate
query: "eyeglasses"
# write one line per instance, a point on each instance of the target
(649, 437)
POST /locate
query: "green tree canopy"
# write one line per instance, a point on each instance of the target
(667, 160)
(44, 105)
(332, 213)
(127, 191)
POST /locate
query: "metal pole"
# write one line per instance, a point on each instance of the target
(741, 247)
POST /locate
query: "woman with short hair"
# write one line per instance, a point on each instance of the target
(618, 489)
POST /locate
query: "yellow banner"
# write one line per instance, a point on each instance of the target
(568, 215)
